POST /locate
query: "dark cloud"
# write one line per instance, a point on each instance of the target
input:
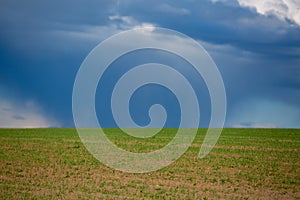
(6, 109)
(221, 24)
(42, 44)
(18, 117)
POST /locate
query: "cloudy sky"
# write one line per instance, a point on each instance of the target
(254, 43)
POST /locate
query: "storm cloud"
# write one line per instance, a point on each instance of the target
(255, 44)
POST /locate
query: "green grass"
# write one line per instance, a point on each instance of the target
(245, 164)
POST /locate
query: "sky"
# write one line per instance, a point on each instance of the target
(255, 45)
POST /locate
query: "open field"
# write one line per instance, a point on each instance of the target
(245, 164)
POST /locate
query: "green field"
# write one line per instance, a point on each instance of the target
(245, 164)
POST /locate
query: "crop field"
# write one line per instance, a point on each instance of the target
(245, 164)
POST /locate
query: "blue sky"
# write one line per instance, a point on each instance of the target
(255, 44)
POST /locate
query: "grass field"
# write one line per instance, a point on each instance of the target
(245, 164)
